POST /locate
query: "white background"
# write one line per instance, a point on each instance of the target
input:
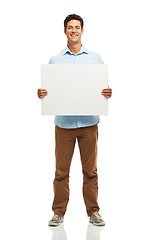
(126, 34)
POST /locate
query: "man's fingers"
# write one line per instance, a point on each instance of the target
(107, 92)
(107, 89)
(107, 95)
(42, 93)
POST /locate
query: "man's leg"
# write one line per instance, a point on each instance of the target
(87, 141)
(64, 147)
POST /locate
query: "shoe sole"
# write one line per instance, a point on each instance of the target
(97, 224)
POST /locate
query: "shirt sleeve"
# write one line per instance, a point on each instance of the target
(100, 61)
(51, 60)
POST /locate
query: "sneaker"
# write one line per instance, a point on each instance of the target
(96, 219)
(55, 221)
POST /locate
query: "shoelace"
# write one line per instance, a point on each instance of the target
(97, 215)
(55, 217)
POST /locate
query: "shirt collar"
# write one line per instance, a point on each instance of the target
(82, 50)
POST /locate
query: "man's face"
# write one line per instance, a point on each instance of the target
(73, 31)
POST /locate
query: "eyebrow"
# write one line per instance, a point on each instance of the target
(73, 26)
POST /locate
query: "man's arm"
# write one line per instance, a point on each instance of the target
(42, 93)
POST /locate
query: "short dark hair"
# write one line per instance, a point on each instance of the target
(73, 17)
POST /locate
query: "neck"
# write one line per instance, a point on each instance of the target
(74, 48)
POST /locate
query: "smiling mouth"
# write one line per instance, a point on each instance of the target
(74, 35)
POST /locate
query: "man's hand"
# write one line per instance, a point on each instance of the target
(42, 93)
(107, 92)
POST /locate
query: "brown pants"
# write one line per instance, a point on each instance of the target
(65, 140)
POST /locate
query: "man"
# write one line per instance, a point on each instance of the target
(70, 128)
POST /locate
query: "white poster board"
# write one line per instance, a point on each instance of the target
(74, 89)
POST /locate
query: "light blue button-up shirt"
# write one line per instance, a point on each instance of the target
(83, 57)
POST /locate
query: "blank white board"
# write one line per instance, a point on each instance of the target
(74, 89)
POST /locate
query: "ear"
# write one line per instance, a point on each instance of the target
(82, 31)
(64, 31)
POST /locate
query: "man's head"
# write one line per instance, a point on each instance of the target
(73, 28)
(73, 17)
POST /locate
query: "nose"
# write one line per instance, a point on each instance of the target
(73, 30)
